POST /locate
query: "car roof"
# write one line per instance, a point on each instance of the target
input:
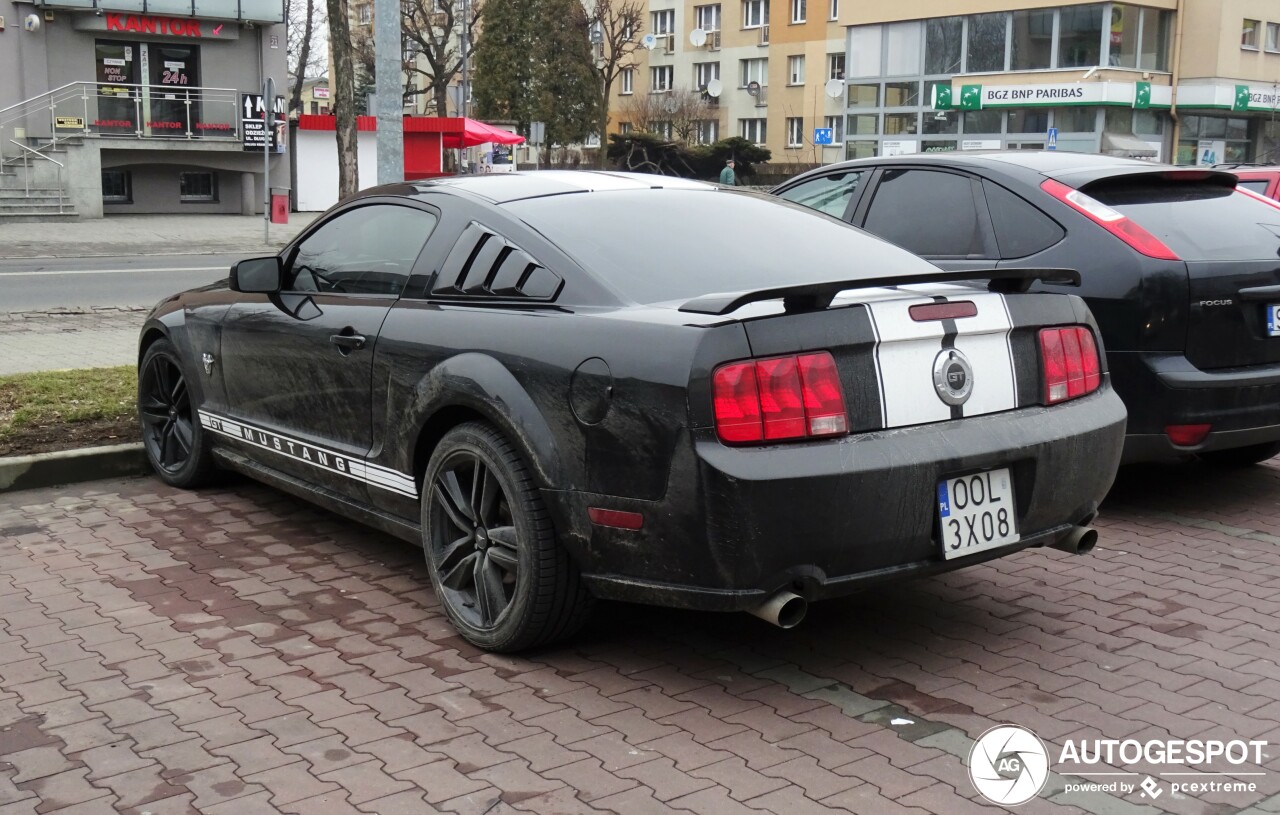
(500, 188)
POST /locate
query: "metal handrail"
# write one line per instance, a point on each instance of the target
(26, 171)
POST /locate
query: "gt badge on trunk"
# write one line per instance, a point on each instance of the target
(952, 376)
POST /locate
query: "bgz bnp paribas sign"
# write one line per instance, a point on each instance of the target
(1138, 95)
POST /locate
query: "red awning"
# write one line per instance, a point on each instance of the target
(456, 132)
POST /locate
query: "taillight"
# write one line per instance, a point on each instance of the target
(1069, 358)
(778, 399)
(1109, 219)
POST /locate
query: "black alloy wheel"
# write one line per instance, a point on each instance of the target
(479, 560)
(174, 441)
(498, 569)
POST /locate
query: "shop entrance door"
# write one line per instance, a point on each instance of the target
(117, 75)
(174, 71)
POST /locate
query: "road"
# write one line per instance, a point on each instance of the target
(42, 284)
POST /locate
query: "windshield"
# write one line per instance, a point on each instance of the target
(659, 245)
(1197, 221)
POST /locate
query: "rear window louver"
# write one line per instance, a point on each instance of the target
(484, 266)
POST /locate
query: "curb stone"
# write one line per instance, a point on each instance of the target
(71, 466)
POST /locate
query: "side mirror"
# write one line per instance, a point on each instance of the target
(258, 275)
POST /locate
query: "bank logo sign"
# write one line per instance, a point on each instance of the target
(1009, 765)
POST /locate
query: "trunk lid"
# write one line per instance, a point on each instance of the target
(1230, 242)
(900, 368)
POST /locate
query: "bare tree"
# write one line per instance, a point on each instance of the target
(305, 60)
(643, 111)
(681, 109)
(433, 31)
(617, 23)
(342, 82)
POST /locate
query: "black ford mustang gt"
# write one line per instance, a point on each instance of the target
(579, 385)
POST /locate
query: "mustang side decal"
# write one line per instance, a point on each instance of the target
(320, 457)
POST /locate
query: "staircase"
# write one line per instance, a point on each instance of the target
(33, 183)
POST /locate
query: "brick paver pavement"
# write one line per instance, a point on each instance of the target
(234, 650)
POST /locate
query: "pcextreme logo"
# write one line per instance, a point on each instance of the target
(1009, 765)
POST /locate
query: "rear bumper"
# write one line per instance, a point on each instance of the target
(828, 518)
(1241, 404)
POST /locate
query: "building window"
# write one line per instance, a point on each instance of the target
(1080, 36)
(660, 77)
(624, 127)
(943, 39)
(1157, 33)
(1273, 37)
(753, 130)
(868, 125)
(117, 187)
(835, 9)
(795, 131)
(986, 44)
(364, 13)
(1032, 47)
(799, 10)
(902, 57)
(662, 129)
(864, 96)
(901, 124)
(1249, 34)
(795, 70)
(835, 66)
(755, 13)
(663, 22)
(704, 72)
(198, 187)
(628, 80)
(836, 125)
(707, 17)
(708, 131)
(315, 108)
(755, 70)
(902, 94)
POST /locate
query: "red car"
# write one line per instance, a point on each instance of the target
(1259, 179)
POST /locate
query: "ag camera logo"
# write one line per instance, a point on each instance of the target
(1009, 765)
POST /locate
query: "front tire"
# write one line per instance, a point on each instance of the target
(1243, 456)
(176, 445)
(496, 566)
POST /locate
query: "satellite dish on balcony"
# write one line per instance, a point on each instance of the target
(753, 89)
(649, 41)
(835, 88)
(698, 37)
(714, 88)
(670, 105)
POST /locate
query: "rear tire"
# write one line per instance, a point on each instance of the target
(176, 445)
(1242, 456)
(496, 565)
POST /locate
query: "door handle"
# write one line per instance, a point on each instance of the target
(347, 342)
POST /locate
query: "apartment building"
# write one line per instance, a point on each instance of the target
(1191, 81)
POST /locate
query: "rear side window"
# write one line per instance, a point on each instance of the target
(1021, 229)
(930, 213)
(1197, 221)
(829, 193)
(1259, 186)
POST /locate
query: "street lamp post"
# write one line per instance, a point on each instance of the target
(388, 46)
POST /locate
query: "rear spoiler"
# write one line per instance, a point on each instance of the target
(817, 296)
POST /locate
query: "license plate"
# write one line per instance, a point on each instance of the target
(977, 513)
(1273, 320)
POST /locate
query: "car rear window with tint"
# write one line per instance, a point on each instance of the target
(1259, 186)
(1021, 229)
(660, 245)
(929, 212)
(1198, 221)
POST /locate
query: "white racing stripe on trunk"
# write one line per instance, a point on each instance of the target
(321, 458)
(906, 350)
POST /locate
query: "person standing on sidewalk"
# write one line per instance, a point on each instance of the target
(727, 176)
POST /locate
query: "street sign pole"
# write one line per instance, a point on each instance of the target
(388, 41)
(268, 128)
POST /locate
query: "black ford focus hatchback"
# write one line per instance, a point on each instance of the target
(1180, 267)
(565, 386)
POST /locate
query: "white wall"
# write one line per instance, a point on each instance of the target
(317, 180)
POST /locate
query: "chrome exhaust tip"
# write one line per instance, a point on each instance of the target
(1079, 541)
(784, 609)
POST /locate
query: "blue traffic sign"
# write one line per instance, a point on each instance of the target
(824, 135)
(1052, 140)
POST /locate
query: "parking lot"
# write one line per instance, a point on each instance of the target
(235, 650)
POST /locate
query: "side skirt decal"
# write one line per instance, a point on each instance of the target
(322, 458)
